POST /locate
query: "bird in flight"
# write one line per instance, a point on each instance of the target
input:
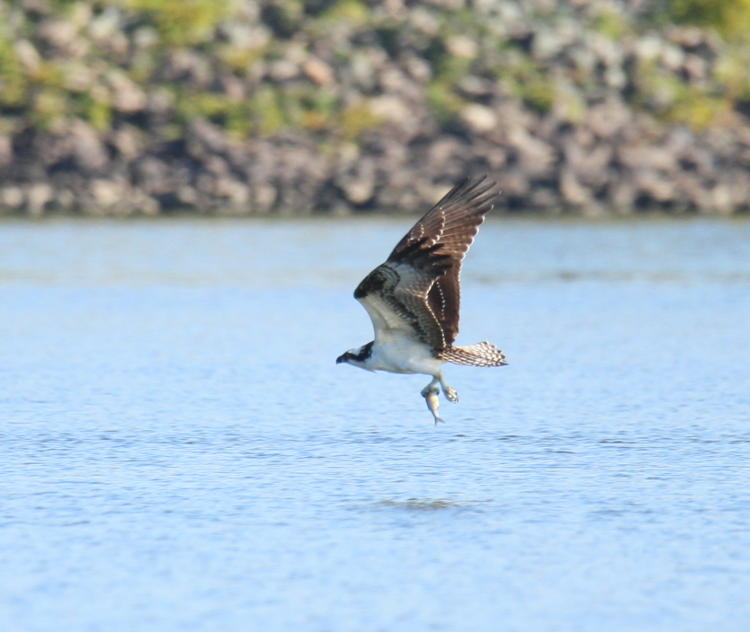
(413, 298)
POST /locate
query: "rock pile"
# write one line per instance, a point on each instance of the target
(271, 106)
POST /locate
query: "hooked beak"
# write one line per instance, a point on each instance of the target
(341, 358)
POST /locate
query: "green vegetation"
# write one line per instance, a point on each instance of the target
(183, 22)
(731, 18)
(352, 11)
(358, 119)
(12, 80)
(529, 81)
(46, 89)
(442, 97)
(611, 24)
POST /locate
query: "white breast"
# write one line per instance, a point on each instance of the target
(399, 353)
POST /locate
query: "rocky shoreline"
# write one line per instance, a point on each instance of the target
(351, 107)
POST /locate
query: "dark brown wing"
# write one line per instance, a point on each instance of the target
(395, 297)
(439, 241)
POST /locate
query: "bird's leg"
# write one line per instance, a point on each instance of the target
(430, 388)
(448, 391)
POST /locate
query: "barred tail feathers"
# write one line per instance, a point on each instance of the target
(479, 354)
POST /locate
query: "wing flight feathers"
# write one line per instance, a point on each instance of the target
(419, 285)
(451, 224)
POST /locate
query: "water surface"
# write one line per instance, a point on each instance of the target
(180, 452)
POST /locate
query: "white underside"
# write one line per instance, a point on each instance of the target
(397, 350)
(400, 353)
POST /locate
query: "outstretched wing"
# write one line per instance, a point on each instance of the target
(448, 230)
(417, 289)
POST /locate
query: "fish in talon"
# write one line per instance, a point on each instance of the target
(432, 400)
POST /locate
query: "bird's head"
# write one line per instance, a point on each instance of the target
(347, 356)
(357, 356)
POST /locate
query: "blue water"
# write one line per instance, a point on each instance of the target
(179, 451)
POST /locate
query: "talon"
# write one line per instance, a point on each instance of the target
(429, 390)
(451, 394)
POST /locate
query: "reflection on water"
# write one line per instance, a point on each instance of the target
(180, 451)
(426, 504)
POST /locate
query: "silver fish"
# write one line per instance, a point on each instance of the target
(433, 403)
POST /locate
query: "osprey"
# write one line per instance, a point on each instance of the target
(413, 298)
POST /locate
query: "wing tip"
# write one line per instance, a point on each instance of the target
(479, 191)
(463, 207)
